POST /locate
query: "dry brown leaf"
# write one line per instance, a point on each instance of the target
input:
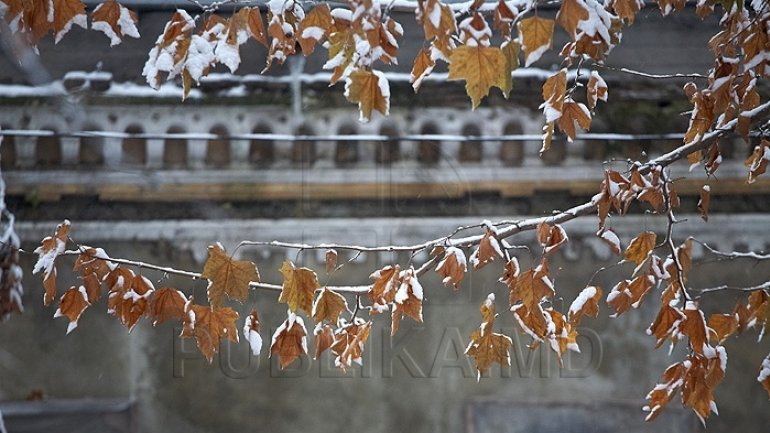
(324, 338)
(227, 276)
(50, 248)
(349, 343)
(314, 27)
(611, 239)
(640, 247)
(328, 306)
(452, 267)
(704, 202)
(551, 238)
(487, 347)
(167, 304)
(370, 89)
(423, 66)
(489, 248)
(757, 161)
(209, 326)
(596, 90)
(694, 327)
(666, 324)
(93, 270)
(629, 293)
(114, 20)
(570, 14)
(71, 305)
(586, 304)
(256, 26)
(251, 332)
(128, 296)
(289, 340)
(574, 114)
(764, 375)
(723, 326)
(532, 287)
(299, 286)
(331, 261)
(407, 301)
(383, 290)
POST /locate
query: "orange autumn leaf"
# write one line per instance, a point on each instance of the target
(128, 297)
(531, 287)
(65, 14)
(209, 326)
(298, 288)
(764, 375)
(256, 26)
(536, 35)
(666, 324)
(324, 338)
(574, 114)
(167, 304)
(640, 247)
(328, 306)
(585, 304)
(570, 14)
(723, 326)
(704, 202)
(349, 343)
(71, 305)
(50, 248)
(289, 340)
(423, 66)
(407, 300)
(596, 90)
(383, 290)
(481, 67)
(93, 270)
(489, 248)
(314, 27)
(227, 276)
(694, 327)
(627, 9)
(452, 267)
(487, 347)
(551, 238)
(114, 20)
(370, 89)
(629, 293)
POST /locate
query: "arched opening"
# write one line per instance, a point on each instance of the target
(388, 151)
(218, 149)
(428, 150)
(471, 151)
(175, 149)
(134, 150)
(48, 151)
(262, 152)
(91, 149)
(304, 151)
(346, 152)
(512, 151)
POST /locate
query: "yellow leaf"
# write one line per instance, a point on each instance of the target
(511, 51)
(298, 287)
(370, 90)
(328, 306)
(480, 67)
(227, 276)
(536, 37)
(640, 247)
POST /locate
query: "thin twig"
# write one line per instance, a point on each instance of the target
(734, 254)
(763, 286)
(648, 75)
(669, 235)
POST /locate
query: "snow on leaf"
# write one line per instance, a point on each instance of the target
(289, 340)
(481, 67)
(93, 270)
(383, 290)
(551, 238)
(251, 332)
(640, 247)
(504, 16)
(167, 304)
(423, 66)
(227, 276)
(170, 50)
(71, 305)
(50, 248)
(531, 287)
(489, 248)
(757, 161)
(596, 90)
(439, 24)
(324, 338)
(573, 115)
(349, 343)
(452, 267)
(299, 286)
(370, 90)
(328, 306)
(536, 35)
(629, 293)
(611, 239)
(570, 14)
(704, 201)
(67, 13)
(114, 20)
(487, 347)
(316, 26)
(586, 304)
(554, 92)
(408, 299)
(764, 375)
(209, 325)
(666, 324)
(128, 296)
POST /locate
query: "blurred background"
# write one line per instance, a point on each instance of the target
(282, 156)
